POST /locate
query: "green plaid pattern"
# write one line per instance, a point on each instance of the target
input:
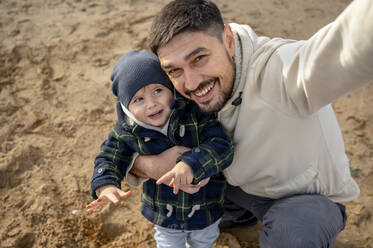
(212, 151)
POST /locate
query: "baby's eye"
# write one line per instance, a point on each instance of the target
(157, 91)
(137, 100)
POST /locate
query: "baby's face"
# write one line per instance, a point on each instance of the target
(151, 104)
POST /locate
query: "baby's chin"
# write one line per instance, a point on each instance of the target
(155, 124)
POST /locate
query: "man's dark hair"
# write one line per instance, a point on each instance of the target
(185, 15)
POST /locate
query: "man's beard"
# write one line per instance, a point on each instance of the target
(224, 96)
(218, 105)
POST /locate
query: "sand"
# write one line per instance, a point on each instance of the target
(56, 107)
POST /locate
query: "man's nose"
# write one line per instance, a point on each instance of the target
(192, 79)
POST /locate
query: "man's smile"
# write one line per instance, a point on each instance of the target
(202, 93)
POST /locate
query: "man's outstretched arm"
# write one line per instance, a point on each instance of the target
(333, 62)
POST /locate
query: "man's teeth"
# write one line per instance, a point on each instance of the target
(206, 90)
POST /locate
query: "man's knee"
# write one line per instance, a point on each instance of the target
(305, 221)
(291, 236)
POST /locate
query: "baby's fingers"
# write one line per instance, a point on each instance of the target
(190, 189)
(204, 182)
(123, 195)
(114, 198)
(176, 189)
(166, 178)
(102, 201)
(176, 185)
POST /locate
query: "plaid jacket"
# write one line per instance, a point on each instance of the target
(188, 126)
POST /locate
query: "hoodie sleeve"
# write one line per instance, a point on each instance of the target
(215, 150)
(333, 62)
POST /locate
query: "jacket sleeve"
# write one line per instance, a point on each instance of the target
(215, 150)
(113, 161)
(333, 62)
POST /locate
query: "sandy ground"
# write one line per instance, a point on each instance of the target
(56, 107)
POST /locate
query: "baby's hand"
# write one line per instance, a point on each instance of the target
(108, 193)
(191, 189)
(180, 175)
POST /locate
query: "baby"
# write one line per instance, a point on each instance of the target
(153, 117)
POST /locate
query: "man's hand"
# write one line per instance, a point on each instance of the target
(155, 166)
(180, 175)
(108, 193)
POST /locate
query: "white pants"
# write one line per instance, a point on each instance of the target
(172, 238)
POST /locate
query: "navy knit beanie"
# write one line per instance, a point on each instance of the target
(134, 71)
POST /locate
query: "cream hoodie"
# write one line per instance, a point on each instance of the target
(287, 139)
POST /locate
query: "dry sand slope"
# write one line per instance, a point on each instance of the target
(56, 107)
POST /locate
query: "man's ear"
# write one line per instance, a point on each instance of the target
(228, 39)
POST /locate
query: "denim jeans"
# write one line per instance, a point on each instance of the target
(171, 238)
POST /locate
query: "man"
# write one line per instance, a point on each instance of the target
(273, 97)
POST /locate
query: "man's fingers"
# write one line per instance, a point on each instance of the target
(165, 178)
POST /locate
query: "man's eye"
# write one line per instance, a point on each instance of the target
(174, 73)
(199, 59)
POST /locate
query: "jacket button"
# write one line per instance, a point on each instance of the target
(146, 139)
(100, 170)
(182, 130)
(197, 150)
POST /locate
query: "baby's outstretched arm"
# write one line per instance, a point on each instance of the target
(180, 175)
(108, 193)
